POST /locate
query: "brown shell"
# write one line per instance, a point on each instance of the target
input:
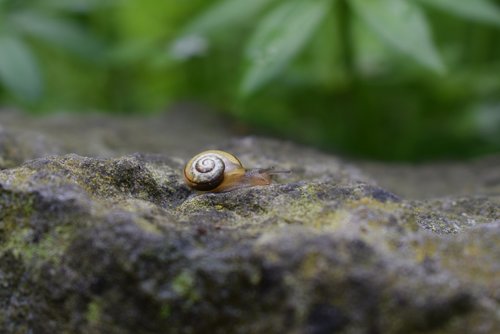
(213, 170)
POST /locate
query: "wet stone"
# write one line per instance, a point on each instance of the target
(97, 238)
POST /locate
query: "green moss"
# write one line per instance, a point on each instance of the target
(93, 314)
(185, 286)
(165, 311)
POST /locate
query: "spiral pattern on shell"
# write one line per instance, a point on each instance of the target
(207, 171)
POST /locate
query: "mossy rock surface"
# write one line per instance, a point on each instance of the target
(97, 239)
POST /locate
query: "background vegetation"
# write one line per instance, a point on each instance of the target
(388, 79)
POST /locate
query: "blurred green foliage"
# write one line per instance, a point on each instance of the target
(390, 79)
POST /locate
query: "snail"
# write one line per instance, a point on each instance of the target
(219, 171)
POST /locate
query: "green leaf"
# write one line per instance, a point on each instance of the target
(278, 38)
(224, 15)
(476, 10)
(76, 6)
(57, 31)
(19, 72)
(403, 27)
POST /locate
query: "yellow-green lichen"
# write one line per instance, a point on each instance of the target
(16, 211)
(49, 248)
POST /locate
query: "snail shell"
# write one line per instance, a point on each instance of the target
(219, 171)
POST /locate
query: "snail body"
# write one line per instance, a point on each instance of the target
(219, 171)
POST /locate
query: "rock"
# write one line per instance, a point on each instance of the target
(16, 147)
(114, 242)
